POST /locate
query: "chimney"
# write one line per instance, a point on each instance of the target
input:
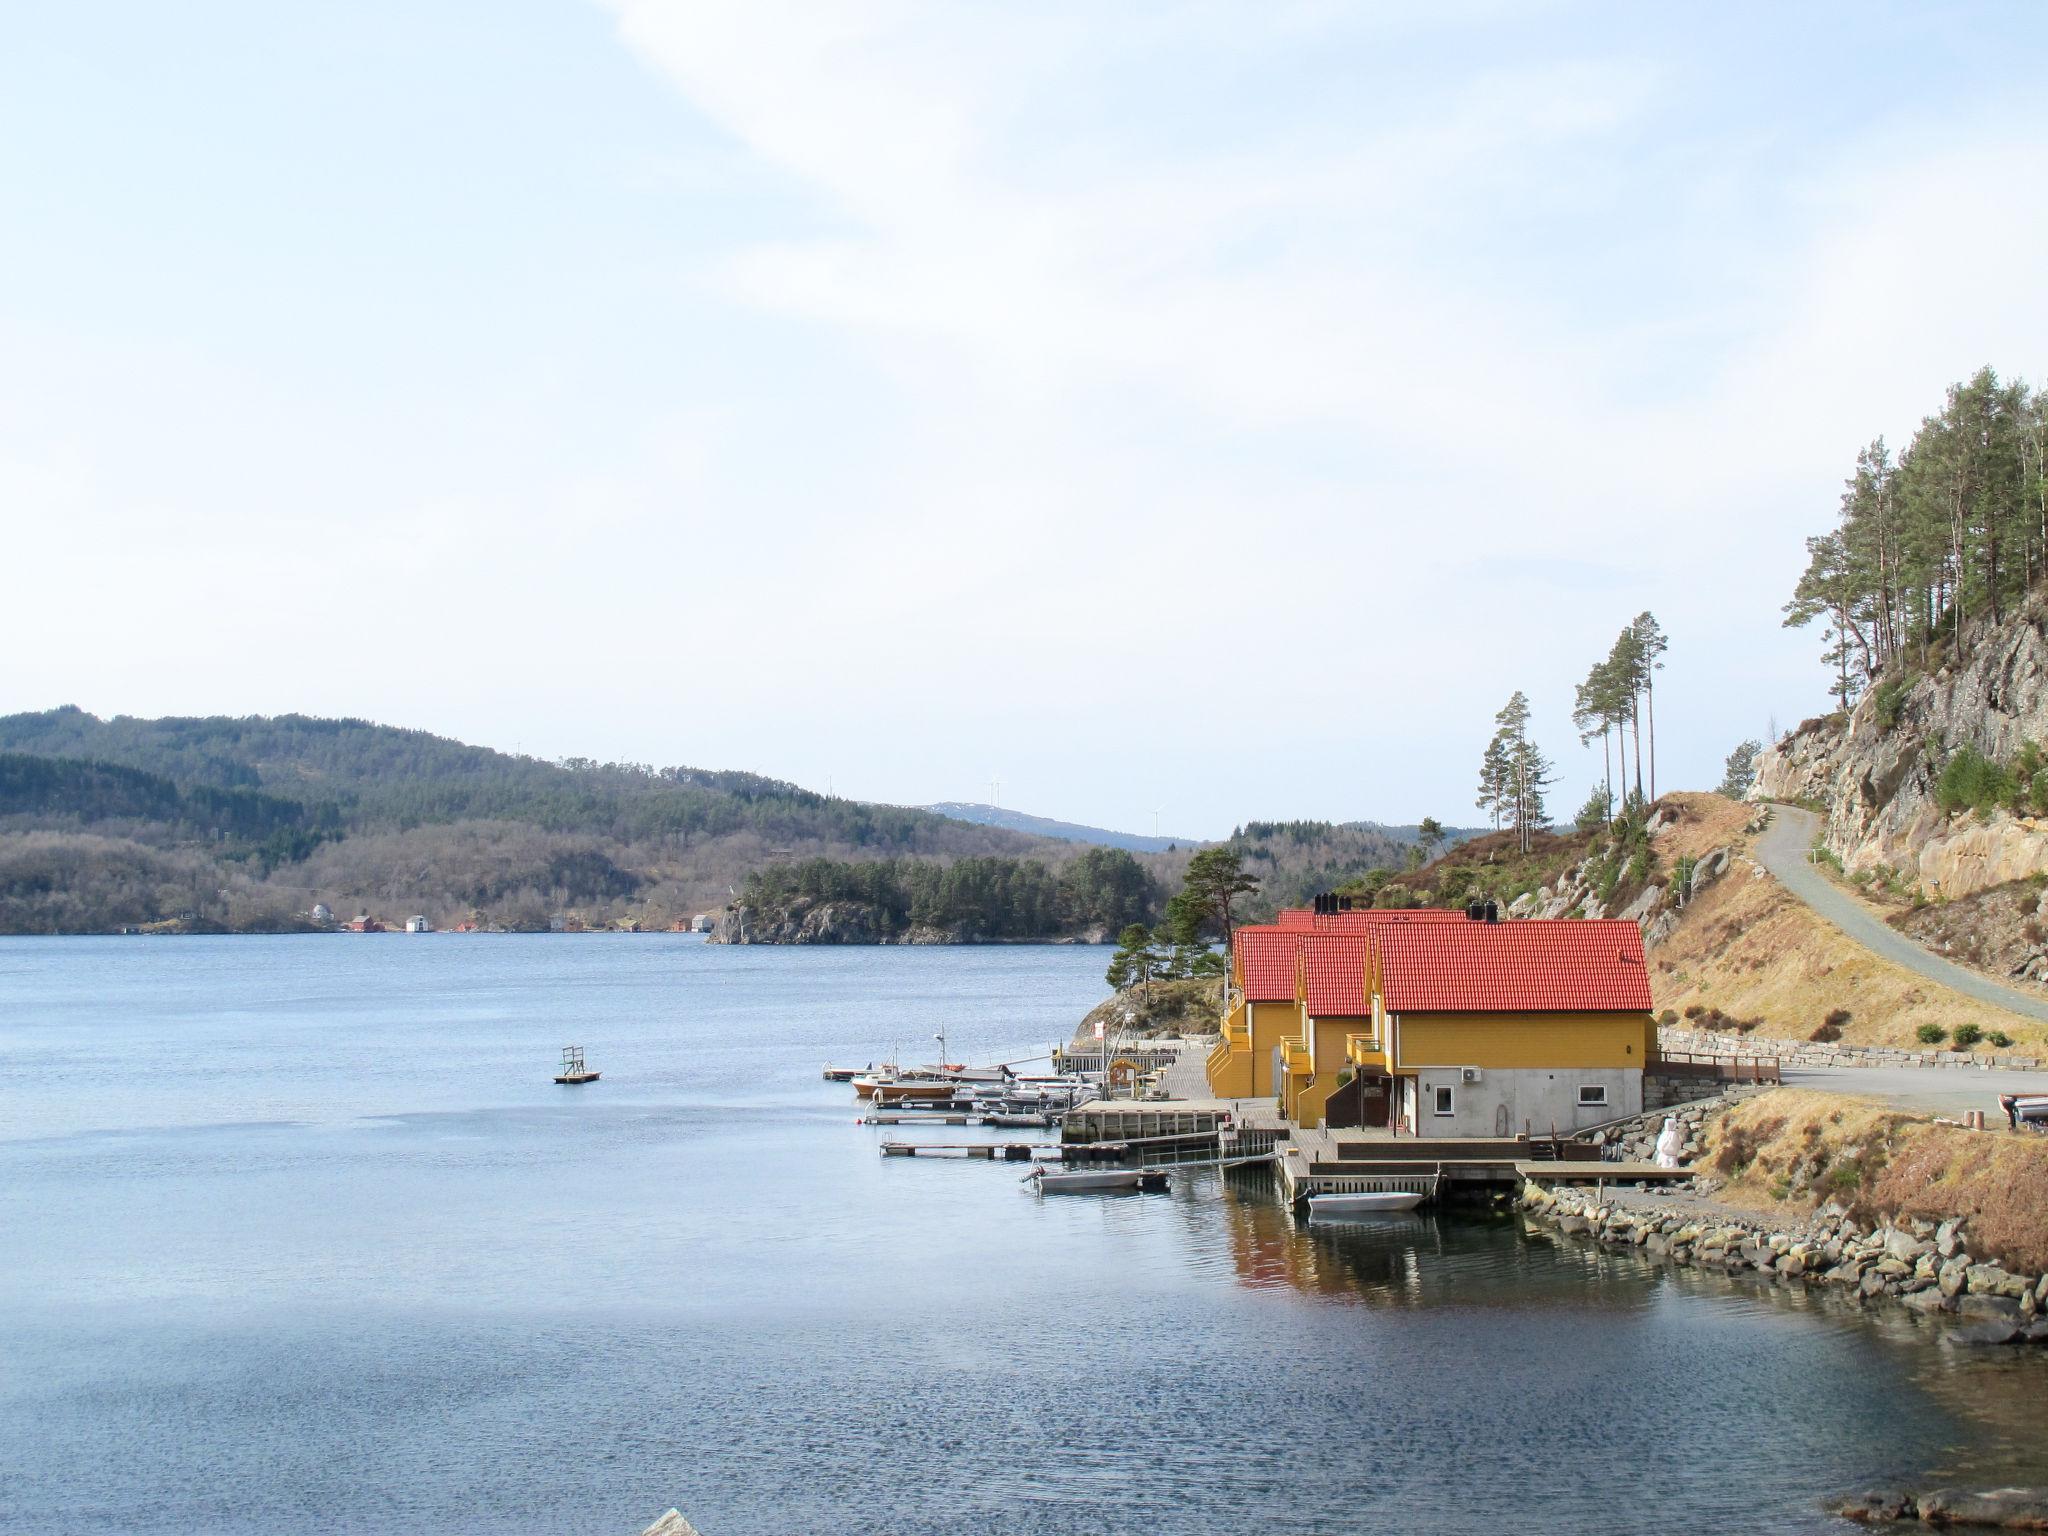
(1493, 911)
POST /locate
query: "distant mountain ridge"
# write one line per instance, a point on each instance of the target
(1060, 831)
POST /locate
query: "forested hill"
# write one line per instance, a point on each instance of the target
(1295, 859)
(380, 777)
(247, 823)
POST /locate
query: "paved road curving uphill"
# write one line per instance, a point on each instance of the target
(1782, 850)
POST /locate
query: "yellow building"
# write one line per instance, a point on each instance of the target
(1439, 1024)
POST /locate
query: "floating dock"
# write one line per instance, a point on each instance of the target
(991, 1151)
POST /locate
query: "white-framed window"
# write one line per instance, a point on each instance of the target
(1592, 1095)
(1443, 1101)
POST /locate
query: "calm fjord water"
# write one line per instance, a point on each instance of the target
(297, 1234)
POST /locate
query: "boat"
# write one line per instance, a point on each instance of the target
(573, 1070)
(1085, 1181)
(1017, 1121)
(1379, 1202)
(897, 1090)
(850, 1074)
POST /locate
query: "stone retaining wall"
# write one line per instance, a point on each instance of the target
(1919, 1264)
(1814, 1053)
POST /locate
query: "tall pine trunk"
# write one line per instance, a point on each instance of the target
(1635, 717)
(1607, 768)
(1621, 751)
(1650, 703)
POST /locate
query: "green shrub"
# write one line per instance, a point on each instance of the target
(1668, 1016)
(1930, 1034)
(1967, 1035)
(1970, 781)
(1885, 702)
(2000, 1038)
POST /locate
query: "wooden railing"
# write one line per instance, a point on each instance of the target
(1727, 1069)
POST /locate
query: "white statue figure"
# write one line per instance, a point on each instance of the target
(1670, 1144)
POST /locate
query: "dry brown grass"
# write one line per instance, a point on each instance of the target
(1752, 951)
(1792, 1149)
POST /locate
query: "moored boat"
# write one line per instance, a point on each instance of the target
(897, 1090)
(1081, 1181)
(1379, 1202)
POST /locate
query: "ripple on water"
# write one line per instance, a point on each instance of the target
(436, 1294)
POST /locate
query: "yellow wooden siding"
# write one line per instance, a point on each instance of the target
(1512, 1041)
(1271, 1024)
(1230, 1063)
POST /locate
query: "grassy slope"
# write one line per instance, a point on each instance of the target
(1791, 1150)
(1752, 951)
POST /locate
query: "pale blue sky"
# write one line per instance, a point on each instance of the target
(1204, 406)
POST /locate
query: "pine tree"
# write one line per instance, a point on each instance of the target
(1650, 646)
(1740, 770)
(1521, 772)
(1496, 780)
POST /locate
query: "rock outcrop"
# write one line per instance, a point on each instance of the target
(1874, 771)
(1192, 1006)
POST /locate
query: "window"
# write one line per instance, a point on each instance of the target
(1442, 1101)
(1592, 1094)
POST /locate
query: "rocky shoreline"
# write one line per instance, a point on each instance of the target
(1923, 1265)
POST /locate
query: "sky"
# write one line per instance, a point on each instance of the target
(1197, 409)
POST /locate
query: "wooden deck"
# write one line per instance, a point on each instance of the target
(1603, 1173)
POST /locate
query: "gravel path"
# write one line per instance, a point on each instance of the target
(1782, 850)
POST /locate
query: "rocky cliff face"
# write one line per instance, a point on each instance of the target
(1874, 772)
(1688, 835)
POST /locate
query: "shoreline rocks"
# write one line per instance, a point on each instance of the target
(1992, 1509)
(1920, 1264)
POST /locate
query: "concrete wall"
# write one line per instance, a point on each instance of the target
(1507, 1099)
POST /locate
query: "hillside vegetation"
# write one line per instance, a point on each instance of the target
(1796, 1149)
(974, 900)
(244, 824)
(219, 824)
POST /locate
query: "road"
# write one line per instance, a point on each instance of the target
(1923, 1090)
(1782, 850)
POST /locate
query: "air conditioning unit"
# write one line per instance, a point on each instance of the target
(1469, 1074)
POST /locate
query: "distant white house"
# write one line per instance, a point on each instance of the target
(703, 922)
(322, 913)
(418, 925)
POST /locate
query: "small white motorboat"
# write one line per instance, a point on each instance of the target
(1379, 1202)
(1086, 1181)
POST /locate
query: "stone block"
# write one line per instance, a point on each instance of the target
(1997, 1308)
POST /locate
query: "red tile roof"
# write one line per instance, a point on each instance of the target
(1336, 975)
(1266, 952)
(1537, 966)
(1266, 956)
